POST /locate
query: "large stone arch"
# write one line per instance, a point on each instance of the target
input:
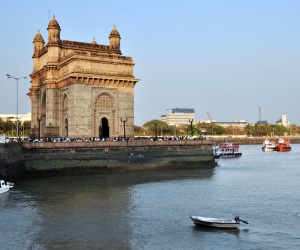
(64, 120)
(42, 113)
(43, 106)
(105, 111)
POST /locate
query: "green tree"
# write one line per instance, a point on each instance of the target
(139, 131)
(9, 127)
(1, 125)
(293, 129)
(248, 130)
(158, 127)
(280, 130)
(234, 130)
(210, 128)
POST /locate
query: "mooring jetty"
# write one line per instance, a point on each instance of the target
(49, 158)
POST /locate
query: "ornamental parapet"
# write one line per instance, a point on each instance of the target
(102, 81)
(104, 48)
(119, 58)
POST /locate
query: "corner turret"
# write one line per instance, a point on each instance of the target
(38, 43)
(114, 39)
(53, 31)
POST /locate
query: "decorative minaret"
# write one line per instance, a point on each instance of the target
(53, 31)
(50, 104)
(114, 39)
(53, 41)
(38, 44)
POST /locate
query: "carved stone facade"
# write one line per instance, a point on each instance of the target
(81, 89)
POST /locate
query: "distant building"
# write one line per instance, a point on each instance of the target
(239, 123)
(13, 117)
(207, 121)
(283, 121)
(262, 122)
(179, 116)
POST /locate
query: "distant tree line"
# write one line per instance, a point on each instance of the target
(160, 128)
(9, 128)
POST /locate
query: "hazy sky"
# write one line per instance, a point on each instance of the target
(225, 57)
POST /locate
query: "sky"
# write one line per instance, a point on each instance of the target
(222, 57)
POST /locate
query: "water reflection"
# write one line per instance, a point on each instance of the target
(150, 210)
(210, 230)
(82, 211)
(19, 220)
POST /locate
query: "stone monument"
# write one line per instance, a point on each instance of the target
(81, 89)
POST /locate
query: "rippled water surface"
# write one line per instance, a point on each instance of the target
(150, 210)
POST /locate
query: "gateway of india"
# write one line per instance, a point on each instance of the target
(81, 89)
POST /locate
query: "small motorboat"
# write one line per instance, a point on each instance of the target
(283, 145)
(218, 223)
(269, 145)
(4, 187)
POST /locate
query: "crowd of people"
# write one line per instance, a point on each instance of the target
(112, 139)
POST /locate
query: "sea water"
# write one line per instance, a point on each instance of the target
(151, 210)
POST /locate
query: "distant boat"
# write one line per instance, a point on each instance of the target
(269, 145)
(283, 145)
(4, 187)
(229, 150)
(218, 223)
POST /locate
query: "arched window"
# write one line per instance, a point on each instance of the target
(65, 103)
(44, 101)
(104, 101)
(43, 105)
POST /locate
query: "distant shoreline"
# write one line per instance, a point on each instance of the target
(251, 140)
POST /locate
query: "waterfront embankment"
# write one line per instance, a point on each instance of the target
(55, 158)
(48, 158)
(243, 140)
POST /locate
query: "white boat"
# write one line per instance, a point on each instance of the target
(4, 187)
(269, 145)
(217, 153)
(229, 150)
(215, 222)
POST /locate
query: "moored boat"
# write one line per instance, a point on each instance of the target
(216, 222)
(229, 150)
(217, 153)
(283, 145)
(4, 187)
(269, 145)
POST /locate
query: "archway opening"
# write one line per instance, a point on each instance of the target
(66, 134)
(104, 128)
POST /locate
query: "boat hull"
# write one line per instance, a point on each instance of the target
(4, 189)
(284, 149)
(215, 223)
(217, 158)
(231, 155)
(268, 149)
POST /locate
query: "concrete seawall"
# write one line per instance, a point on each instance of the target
(11, 159)
(95, 157)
